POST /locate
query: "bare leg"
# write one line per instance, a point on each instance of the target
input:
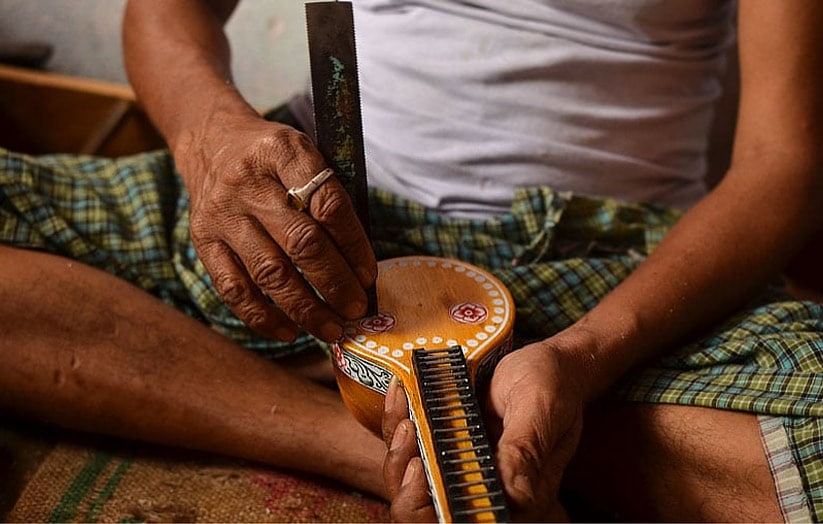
(654, 463)
(85, 350)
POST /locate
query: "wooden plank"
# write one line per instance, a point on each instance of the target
(44, 112)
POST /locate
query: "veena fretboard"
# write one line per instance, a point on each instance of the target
(463, 453)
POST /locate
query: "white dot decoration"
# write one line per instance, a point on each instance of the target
(488, 312)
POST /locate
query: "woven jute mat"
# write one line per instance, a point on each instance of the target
(79, 482)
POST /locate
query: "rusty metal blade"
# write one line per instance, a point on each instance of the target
(336, 97)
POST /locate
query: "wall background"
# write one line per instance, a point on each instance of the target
(268, 39)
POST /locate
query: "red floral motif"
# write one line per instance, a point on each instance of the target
(380, 323)
(469, 313)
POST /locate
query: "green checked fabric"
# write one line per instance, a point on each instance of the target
(127, 216)
(558, 254)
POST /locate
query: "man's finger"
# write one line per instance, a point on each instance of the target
(275, 275)
(333, 209)
(534, 448)
(395, 409)
(310, 247)
(242, 296)
(412, 503)
(402, 449)
(525, 446)
(330, 205)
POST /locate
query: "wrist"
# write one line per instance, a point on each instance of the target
(204, 119)
(599, 356)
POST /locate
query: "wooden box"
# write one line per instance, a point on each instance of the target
(44, 112)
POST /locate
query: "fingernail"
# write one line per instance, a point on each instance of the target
(391, 394)
(396, 389)
(331, 331)
(411, 472)
(355, 310)
(365, 275)
(399, 435)
(285, 334)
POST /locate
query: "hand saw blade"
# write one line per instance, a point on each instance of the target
(336, 97)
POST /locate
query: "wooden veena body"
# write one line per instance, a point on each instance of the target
(442, 326)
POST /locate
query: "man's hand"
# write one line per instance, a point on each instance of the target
(403, 471)
(535, 404)
(536, 408)
(267, 260)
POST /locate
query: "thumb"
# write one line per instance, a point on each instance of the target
(520, 455)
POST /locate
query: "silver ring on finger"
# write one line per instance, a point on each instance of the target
(299, 196)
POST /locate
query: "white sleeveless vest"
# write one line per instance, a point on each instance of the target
(465, 100)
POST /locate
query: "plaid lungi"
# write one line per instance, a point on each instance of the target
(558, 254)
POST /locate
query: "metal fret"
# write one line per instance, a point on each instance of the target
(457, 450)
